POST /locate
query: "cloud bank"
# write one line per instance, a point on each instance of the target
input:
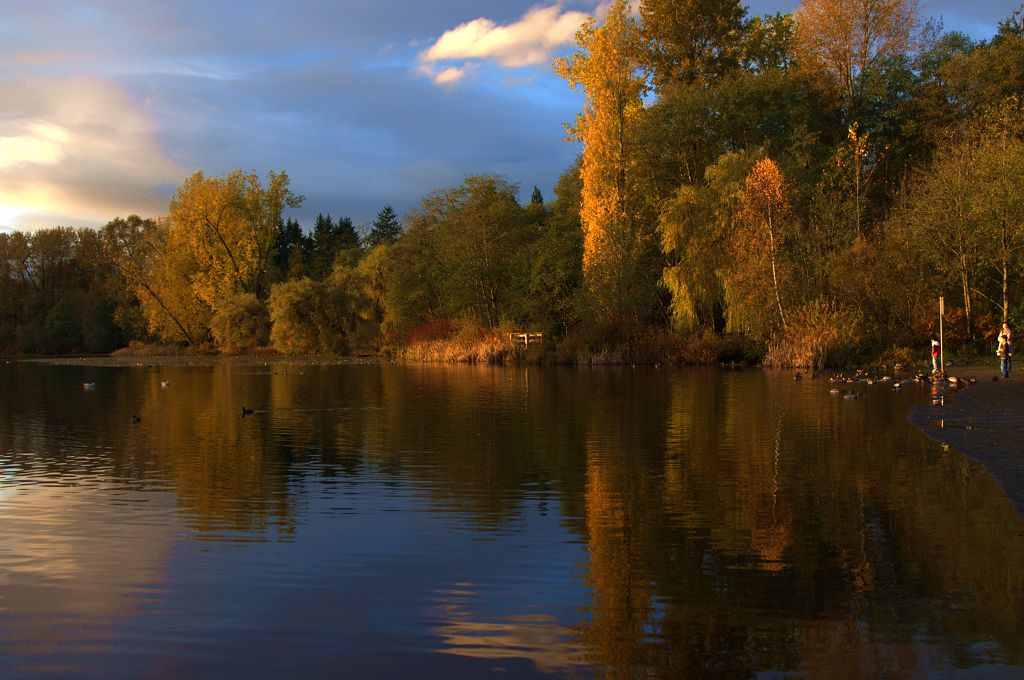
(81, 144)
(526, 42)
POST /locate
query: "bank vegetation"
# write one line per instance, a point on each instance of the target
(794, 189)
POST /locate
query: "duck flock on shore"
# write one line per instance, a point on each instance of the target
(895, 378)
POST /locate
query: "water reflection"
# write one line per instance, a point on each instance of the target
(454, 521)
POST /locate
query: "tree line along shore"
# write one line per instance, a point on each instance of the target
(793, 190)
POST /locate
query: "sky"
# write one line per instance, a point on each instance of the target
(107, 105)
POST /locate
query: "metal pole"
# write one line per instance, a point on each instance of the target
(942, 349)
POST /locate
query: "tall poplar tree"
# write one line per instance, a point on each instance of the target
(618, 235)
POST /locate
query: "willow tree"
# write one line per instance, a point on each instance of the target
(618, 234)
(694, 222)
(230, 226)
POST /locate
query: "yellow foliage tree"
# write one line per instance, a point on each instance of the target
(764, 208)
(159, 275)
(844, 39)
(607, 67)
(230, 224)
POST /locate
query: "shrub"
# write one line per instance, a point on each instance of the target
(295, 308)
(240, 322)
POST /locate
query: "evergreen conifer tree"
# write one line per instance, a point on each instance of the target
(386, 228)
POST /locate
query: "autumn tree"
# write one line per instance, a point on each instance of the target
(764, 209)
(311, 317)
(230, 226)
(240, 322)
(619, 246)
(845, 40)
(136, 247)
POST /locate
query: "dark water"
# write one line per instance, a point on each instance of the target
(463, 522)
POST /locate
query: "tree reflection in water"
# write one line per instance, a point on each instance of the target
(636, 522)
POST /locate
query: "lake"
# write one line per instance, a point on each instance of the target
(383, 521)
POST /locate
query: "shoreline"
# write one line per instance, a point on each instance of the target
(984, 422)
(157, 360)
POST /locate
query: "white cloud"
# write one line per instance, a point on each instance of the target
(80, 148)
(526, 42)
(445, 76)
(38, 142)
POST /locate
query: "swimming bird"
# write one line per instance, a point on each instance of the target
(246, 411)
(88, 386)
(165, 384)
(136, 420)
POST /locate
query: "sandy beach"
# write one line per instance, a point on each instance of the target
(984, 421)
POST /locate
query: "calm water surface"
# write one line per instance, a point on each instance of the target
(461, 522)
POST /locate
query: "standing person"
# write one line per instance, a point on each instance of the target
(935, 354)
(1005, 353)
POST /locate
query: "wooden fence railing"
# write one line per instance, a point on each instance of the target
(526, 338)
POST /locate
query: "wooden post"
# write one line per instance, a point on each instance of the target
(942, 353)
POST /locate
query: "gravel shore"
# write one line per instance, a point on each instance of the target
(984, 421)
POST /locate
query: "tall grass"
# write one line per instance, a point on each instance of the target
(819, 335)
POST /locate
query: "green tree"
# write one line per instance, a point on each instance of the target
(386, 228)
(555, 259)
(61, 330)
(478, 235)
(691, 40)
(695, 223)
(324, 245)
(349, 250)
(412, 280)
(289, 257)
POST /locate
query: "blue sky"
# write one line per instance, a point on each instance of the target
(106, 106)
